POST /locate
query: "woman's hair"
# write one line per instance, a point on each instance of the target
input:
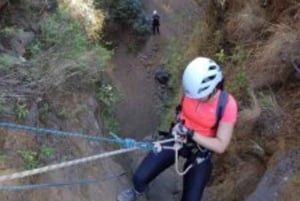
(221, 84)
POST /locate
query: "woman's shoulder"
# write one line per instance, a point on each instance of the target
(232, 101)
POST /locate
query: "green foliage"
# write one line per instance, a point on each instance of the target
(129, 15)
(47, 151)
(107, 94)
(59, 31)
(3, 104)
(221, 57)
(239, 84)
(21, 110)
(104, 54)
(30, 159)
(7, 61)
(175, 62)
(62, 113)
(35, 49)
(8, 31)
(64, 56)
(43, 112)
(109, 120)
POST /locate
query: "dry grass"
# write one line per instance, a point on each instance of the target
(248, 117)
(245, 26)
(235, 5)
(272, 61)
(276, 7)
(64, 73)
(207, 36)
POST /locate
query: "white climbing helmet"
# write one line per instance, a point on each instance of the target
(154, 12)
(200, 78)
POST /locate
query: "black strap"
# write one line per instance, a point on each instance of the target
(222, 102)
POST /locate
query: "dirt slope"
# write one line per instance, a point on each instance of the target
(139, 111)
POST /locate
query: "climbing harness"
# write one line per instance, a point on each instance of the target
(178, 144)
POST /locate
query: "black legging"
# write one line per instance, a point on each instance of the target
(154, 163)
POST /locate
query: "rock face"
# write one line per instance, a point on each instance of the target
(2, 3)
(279, 178)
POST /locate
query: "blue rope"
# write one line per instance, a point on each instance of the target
(54, 184)
(127, 142)
(53, 132)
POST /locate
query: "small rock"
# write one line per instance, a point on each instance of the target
(162, 75)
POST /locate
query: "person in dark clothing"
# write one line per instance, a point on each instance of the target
(155, 22)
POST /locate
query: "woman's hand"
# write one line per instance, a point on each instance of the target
(182, 131)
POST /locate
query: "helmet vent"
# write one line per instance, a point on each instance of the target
(208, 79)
(202, 89)
(212, 67)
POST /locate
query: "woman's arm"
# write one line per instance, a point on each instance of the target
(219, 143)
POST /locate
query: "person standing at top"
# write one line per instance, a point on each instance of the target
(200, 125)
(155, 22)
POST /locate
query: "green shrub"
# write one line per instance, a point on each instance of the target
(62, 33)
(7, 61)
(47, 151)
(3, 105)
(221, 57)
(21, 110)
(63, 56)
(127, 14)
(107, 94)
(30, 159)
(239, 84)
(109, 120)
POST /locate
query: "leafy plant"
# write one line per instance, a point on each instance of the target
(60, 32)
(107, 94)
(128, 14)
(7, 61)
(30, 159)
(109, 120)
(43, 111)
(62, 113)
(3, 105)
(62, 55)
(8, 31)
(21, 111)
(35, 49)
(47, 151)
(221, 57)
(239, 84)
